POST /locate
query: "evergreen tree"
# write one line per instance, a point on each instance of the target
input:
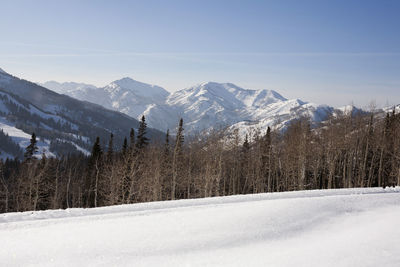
(142, 140)
(96, 152)
(110, 151)
(125, 147)
(177, 160)
(244, 162)
(266, 159)
(32, 148)
(179, 137)
(132, 139)
(92, 175)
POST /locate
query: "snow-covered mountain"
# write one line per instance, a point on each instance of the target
(125, 95)
(395, 108)
(205, 106)
(218, 105)
(62, 124)
(68, 88)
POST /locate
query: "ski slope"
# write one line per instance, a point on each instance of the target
(346, 227)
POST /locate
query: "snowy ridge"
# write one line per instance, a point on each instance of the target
(125, 95)
(206, 106)
(67, 88)
(246, 230)
(218, 105)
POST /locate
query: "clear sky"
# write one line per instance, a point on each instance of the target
(323, 51)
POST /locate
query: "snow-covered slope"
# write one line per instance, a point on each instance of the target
(346, 227)
(280, 115)
(205, 106)
(67, 124)
(395, 108)
(14, 111)
(215, 105)
(125, 95)
(68, 88)
(23, 139)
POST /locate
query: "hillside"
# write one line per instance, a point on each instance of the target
(66, 125)
(125, 95)
(305, 228)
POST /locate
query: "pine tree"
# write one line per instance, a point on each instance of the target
(244, 162)
(142, 140)
(179, 137)
(132, 139)
(32, 148)
(177, 159)
(96, 152)
(110, 151)
(266, 159)
(125, 147)
(93, 173)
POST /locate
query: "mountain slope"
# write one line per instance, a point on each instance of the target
(125, 95)
(205, 106)
(60, 119)
(303, 228)
(67, 88)
(218, 105)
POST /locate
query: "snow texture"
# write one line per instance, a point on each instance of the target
(345, 227)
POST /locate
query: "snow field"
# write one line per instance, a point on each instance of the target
(346, 227)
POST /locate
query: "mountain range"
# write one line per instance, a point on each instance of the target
(67, 117)
(205, 106)
(63, 124)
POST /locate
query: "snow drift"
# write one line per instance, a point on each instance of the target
(345, 227)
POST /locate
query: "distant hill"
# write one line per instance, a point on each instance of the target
(62, 124)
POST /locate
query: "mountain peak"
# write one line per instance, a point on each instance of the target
(140, 88)
(233, 88)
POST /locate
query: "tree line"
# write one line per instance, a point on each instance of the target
(344, 151)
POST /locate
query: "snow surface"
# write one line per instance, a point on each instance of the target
(23, 139)
(345, 227)
(391, 108)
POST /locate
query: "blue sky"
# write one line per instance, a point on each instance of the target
(332, 52)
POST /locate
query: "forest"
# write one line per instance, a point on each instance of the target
(345, 151)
